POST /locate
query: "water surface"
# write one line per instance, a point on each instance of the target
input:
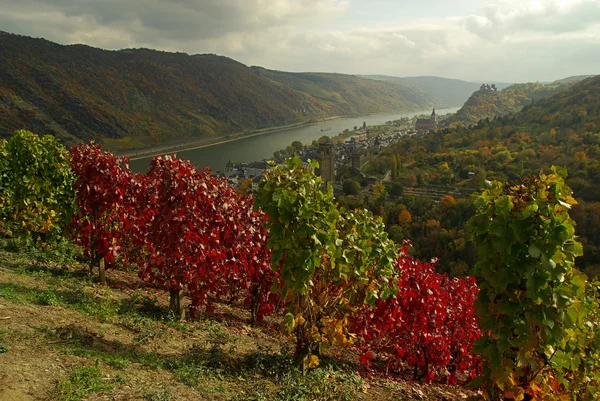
(262, 146)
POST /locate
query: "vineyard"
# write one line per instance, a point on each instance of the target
(347, 307)
(437, 192)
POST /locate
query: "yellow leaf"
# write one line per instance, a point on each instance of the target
(313, 361)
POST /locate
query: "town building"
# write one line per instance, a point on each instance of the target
(426, 124)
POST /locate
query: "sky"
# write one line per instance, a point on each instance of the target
(474, 40)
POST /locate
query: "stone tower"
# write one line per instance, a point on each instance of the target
(326, 161)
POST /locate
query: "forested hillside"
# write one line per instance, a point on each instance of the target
(445, 92)
(348, 93)
(140, 97)
(488, 102)
(562, 130)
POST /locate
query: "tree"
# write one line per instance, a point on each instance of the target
(429, 327)
(397, 189)
(405, 220)
(351, 187)
(185, 237)
(297, 145)
(36, 186)
(330, 263)
(105, 200)
(533, 306)
(378, 190)
(446, 204)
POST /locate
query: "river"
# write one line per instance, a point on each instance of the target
(262, 146)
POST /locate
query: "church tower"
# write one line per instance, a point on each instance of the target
(433, 122)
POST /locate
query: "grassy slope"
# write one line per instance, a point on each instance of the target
(63, 337)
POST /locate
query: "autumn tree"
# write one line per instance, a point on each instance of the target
(330, 261)
(184, 237)
(105, 200)
(538, 315)
(428, 328)
(36, 186)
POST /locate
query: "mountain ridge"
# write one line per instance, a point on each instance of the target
(490, 103)
(142, 97)
(446, 92)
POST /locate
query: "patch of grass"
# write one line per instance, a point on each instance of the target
(324, 383)
(158, 395)
(59, 251)
(81, 383)
(15, 293)
(74, 298)
(114, 360)
(330, 381)
(46, 298)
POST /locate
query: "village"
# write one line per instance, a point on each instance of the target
(348, 150)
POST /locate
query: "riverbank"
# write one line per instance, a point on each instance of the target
(217, 152)
(213, 141)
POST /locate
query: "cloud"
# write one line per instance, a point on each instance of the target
(510, 19)
(515, 40)
(163, 21)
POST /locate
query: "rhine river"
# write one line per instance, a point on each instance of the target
(262, 146)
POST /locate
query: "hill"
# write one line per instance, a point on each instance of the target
(574, 79)
(64, 337)
(444, 92)
(348, 93)
(562, 129)
(490, 103)
(141, 97)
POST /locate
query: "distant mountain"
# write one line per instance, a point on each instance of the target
(575, 108)
(572, 80)
(444, 92)
(489, 103)
(349, 93)
(140, 97)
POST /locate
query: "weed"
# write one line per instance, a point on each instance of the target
(46, 298)
(60, 251)
(82, 382)
(114, 360)
(159, 395)
(119, 379)
(323, 383)
(3, 348)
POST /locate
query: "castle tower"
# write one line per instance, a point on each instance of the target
(326, 161)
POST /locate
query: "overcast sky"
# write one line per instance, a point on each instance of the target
(478, 40)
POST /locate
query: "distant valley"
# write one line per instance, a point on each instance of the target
(444, 92)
